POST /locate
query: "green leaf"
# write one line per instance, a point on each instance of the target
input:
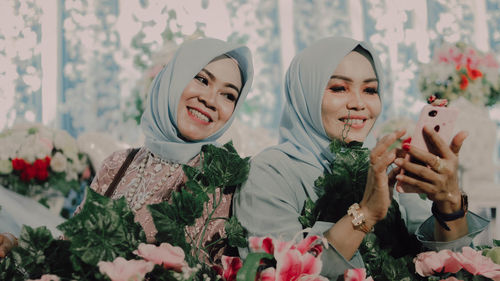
(103, 230)
(496, 243)
(169, 230)
(236, 233)
(307, 217)
(249, 269)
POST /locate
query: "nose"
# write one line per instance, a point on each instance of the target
(208, 98)
(356, 101)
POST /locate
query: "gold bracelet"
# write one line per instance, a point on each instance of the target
(358, 220)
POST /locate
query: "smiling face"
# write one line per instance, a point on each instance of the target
(351, 103)
(208, 101)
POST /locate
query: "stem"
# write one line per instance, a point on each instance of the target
(209, 218)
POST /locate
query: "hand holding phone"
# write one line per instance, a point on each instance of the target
(441, 120)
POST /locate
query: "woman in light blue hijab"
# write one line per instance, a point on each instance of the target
(335, 83)
(191, 102)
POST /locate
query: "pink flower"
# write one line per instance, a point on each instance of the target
(474, 262)
(428, 263)
(451, 278)
(230, 266)
(168, 256)
(46, 277)
(292, 260)
(268, 274)
(123, 270)
(357, 274)
(306, 277)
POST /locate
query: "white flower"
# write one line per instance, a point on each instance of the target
(58, 162)
(64, 141)
(5, 167)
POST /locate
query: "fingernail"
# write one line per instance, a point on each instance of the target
(398, 161)
(406, 146)
(399, 177)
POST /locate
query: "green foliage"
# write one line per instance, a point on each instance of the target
(221, 170)
(105, 228)
(236, 234)
(388, 251)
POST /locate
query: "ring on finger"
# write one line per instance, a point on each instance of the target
(439, 164)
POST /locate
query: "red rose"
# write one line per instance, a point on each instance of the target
(42, 175)
(464, 82)
(28, 173)
(474, 73)
(47, 161)
(40, 164)
(18, 164)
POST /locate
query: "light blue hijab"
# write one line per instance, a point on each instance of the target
(302, 135)
(282, 177)
(159, 121)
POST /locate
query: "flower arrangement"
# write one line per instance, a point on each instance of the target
(277, 260)
(35, 160)
(458, 70)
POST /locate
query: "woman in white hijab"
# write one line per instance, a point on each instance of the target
(336, 83)
(191, 102)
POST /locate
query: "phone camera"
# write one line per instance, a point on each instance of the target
(436, 128)
(433, 113)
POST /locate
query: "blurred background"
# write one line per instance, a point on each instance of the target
(84, 66)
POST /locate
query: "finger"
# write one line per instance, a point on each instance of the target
(421, 171)
(426, 158)
(383, 161)
(386, 141)
(425, 187)
(457, 141)
(442, 147)
(392, 176)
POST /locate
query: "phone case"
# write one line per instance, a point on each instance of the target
(442, 120)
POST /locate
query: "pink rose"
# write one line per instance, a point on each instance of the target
(474, 262)
(123, 270)
(230, 266)
(168, 256)
(357, 274)
(46, 277)
(428, 263)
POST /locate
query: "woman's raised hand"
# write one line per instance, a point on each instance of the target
(7, 242)
(377, 197)
(439, 177)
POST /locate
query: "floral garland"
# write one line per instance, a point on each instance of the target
(458, 70)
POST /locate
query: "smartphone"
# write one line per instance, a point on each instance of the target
(442, 120)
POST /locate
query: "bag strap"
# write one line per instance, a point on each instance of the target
(112, 187)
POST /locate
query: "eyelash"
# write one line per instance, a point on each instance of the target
(339, 89)
(201, 79)
(230, 97)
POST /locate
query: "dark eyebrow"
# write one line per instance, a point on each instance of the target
(212, 77)
(350, 80)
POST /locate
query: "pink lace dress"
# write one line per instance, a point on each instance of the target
(159, 179)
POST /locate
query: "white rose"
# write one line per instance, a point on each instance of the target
(58, 162)
(65, 142)
(5, 167)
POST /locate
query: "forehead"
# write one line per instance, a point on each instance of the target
(226, 69)
(355, 65)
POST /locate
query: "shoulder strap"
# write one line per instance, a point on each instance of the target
(121, 172)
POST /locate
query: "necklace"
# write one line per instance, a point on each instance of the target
(138, 193)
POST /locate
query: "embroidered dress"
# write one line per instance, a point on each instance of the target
(156, 185)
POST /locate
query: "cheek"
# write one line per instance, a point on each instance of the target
(375, 106)
(226, 110)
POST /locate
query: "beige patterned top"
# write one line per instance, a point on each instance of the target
(145, 191)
